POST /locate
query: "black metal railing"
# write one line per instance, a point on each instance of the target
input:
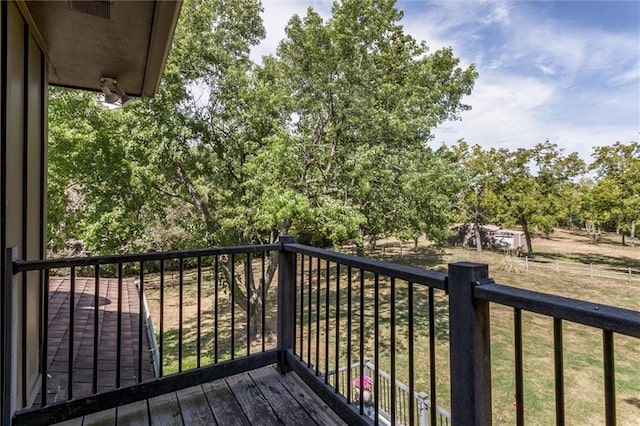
(610, 320)
(332, 311)
(96, 349)
(344, 304)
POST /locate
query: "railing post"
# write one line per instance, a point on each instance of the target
(469, 343)
(286, 302)
(10, 255)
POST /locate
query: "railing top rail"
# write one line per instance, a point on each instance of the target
(35, 265)
(617, 320)
(408, 273)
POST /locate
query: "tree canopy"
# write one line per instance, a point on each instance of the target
(329, 139)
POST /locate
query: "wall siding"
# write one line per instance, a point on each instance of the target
(23, 92)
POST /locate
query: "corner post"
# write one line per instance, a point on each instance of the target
(10, 255)
(469, 343)
(286, 302)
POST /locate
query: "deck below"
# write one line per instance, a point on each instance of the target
(258, 397)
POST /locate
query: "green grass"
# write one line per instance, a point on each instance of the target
(584, 390)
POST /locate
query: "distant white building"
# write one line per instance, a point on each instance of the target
(508, 239)
(491, 235)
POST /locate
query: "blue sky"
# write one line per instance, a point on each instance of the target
(567, 71)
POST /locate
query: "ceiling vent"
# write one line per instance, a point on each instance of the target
(101, 9)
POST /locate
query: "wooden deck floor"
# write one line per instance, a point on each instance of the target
(83, 331)
(259, 397)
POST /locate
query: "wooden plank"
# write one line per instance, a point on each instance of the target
(286, 407)
(101, 418)
(194, 407)
(253, 404)
(311, 402)
(224, 405)
(136, 413)
(165, 410)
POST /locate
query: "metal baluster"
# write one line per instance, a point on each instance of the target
(517, 327)
(559, 370)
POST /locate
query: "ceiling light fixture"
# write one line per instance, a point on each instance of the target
(113, 92)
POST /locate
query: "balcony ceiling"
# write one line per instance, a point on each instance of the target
(125, 40)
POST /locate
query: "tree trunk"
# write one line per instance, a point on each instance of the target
(478, 237)
(623, 241)
(415, 243)
(527, 234)
(633, 233)
(476, 218)
(360, 243)
(246, 293)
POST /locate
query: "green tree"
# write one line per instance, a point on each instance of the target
(525, 187)
(364, 97)
(474, 205)
(616, 193)
(95, 200)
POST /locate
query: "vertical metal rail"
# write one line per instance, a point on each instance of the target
(119, 328)
(432, 357)
(349, 331)
(412, 370)
(318, 317)
(199, 314)
(301, 353)
(263, 298)
(376, 338)
(361, 343)
(161, 347)
(248, 274)
(293, 277)
(215, 308)
(180, 303)
(96, 326)
(517, 330)
(558, 364)
(232, 284)
(72, 320)
(309, 314)
(140, 318)
(23, 335)
(337, 356)
(392, 326)
(326, 325)
(609, 378)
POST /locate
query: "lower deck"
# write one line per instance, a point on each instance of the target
(258, 397)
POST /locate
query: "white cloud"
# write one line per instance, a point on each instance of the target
(505, 108)
(630, 75)
(540, 78)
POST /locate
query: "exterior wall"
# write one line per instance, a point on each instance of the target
(23, 100)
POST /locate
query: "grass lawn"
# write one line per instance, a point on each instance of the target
(584, 390)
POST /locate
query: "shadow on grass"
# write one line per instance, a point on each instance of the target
(215, 345)
(633, 401)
